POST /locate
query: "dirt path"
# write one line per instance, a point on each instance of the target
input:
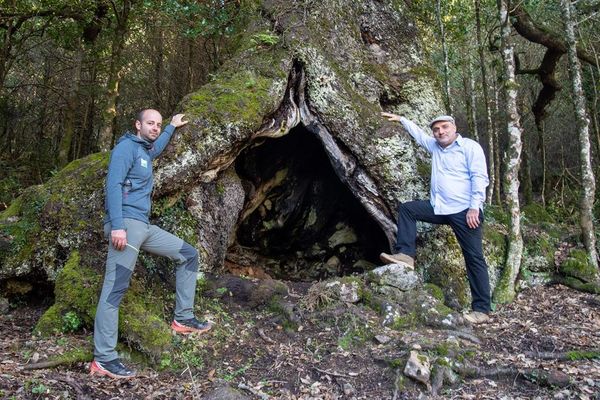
(324, 356)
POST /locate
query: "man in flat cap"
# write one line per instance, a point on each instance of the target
(458, 181)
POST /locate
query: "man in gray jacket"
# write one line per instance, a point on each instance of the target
(127, 226)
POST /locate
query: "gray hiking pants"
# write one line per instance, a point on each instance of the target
(119, 268)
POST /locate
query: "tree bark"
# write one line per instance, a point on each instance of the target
(588, 189)
(495, 139)
(542, 148)
(505, 290)
(470, 99)
(489, 127)
(66, 140)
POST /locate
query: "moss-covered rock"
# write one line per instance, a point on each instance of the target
(578, 266)
(443, 265)
(47, 222)
(77, 289)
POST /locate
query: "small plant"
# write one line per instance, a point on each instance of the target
(71, 322)
(165, 362)
(39, 389)
(265, 38)
(231, 376)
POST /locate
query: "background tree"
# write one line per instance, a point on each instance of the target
(505, 291)
(587, 174)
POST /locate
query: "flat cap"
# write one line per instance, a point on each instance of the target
(441, 118)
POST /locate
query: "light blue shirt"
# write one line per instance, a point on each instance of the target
(458, 172)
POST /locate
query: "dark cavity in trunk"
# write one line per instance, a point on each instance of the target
(307, 224)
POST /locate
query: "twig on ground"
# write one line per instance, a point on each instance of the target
(267, 339)
(332, 373)
(78, 389)
(255, 392)
(45, 364)
(397, 384)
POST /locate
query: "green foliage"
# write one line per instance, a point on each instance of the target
(39, 389)
(494, 213)
(355, 332)
(536, 213)
(265, 39)
(212, 18)
(71, 322)
(173, 216)
(406, 321)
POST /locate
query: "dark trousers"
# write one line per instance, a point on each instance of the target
(470, 241)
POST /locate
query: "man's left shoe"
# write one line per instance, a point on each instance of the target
(477, 317)
(192, 325)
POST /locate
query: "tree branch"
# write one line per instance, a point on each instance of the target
(526, 27)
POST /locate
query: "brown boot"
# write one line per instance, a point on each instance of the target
(398, 258)
(477, 317)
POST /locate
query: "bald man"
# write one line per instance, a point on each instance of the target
(127, 227)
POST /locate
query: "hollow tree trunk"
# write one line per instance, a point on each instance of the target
(588, 190)
(505, 290)
(285, 160)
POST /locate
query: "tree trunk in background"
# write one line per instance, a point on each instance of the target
(494, 139)
(588, 189)
(505, 290)
(526, 174)
(70, 116)
(109, 113)
(470, 99)
(446, 83)
(159, 70)
(489, 125)
(40, 156)
(542, 147)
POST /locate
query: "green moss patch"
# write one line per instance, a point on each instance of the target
(577, 265)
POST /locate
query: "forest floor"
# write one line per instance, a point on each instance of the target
(250, 355)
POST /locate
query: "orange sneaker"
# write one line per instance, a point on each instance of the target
(114, 369)
(191, 325)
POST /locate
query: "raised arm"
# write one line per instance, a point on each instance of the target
(165, 136)
(417, 133)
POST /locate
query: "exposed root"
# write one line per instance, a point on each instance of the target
(464, 335)
(264, 337)
(535, 375)
(571, 355)
(255, 392)
(332, 373)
